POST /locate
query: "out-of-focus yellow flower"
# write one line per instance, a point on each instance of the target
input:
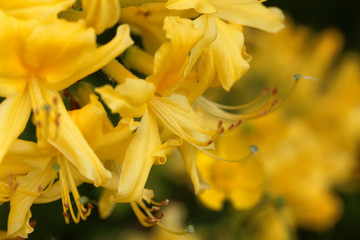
(240, 182)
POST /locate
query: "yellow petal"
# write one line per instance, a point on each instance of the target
(55, 51)
(207, 24)
(138, 160)
(19, 216)
(228, 48)
(101, 14)
(147, 21)
(250, 13)
(172, 57)
(161, 153)
(12, 35)
(14, 112)
(105, 206)
(34, 9)
(116, 141)
(188, 155)
(201, 6)
(102, 55)
(90, 121)
(65, 136)
(125, 98)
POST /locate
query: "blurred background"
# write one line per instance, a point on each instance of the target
(309, 146)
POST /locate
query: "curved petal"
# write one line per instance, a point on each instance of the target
(19, 216)
(138, 160)
(14, 112)
(99, 57)
(228, 48)
(172, 57)
(101, 14)
(34, 9)
(188, 156)
(56, 126)
(125, 98)
(13, 35)
(250, 13)
(201, 6)
(57, 50)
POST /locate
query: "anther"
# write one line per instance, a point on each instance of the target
(160, 216)
(40, 189)
(275, 102)
(221, 131)
(155, 208)
(65, 214)
(55, 100)
(16, 186)
(230, 127)
(11, 179)
(274, 91)
(66, 205)
(220, 123)
(90, 206)
(210, 142)
(165, 202)
(238, 123)
(33, 223)
(266, 91)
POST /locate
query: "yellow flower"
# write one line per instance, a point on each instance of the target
(40, 60)
(99, 14)
(30, 9)
(40, 173)
(250, 13)
(240, 182)
(157, 103)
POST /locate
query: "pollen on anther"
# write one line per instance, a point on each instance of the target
(65, 214)
(165, 202)
(238, 123)
(274, 91)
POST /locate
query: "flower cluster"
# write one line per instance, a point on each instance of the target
(309, 146)
(51, 48)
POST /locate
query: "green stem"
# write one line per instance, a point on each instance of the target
(128, 3)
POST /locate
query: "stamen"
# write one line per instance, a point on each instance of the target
(253, 149)
(299, 76)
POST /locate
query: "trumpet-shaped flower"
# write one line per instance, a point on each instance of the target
(160, 104)
(40, 60)
(29, 170)
(250, 13)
